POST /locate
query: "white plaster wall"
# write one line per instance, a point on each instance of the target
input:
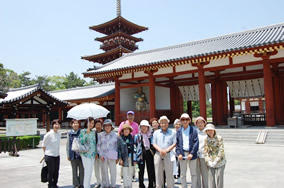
(279, 54)
(245, 59)
(185, 67)
(163, 100)
(139, 74)
(164, 70)
(218, 62)
(126, 76)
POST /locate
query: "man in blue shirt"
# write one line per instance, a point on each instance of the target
(186, 149)
(164, 140)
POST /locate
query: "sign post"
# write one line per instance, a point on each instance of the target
(20, 127)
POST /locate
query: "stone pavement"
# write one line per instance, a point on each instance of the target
(248, 166)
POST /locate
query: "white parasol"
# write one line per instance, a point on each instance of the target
(85, 110)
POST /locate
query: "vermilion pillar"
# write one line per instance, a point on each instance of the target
(60, 114)
(117, 102)
(219, 101)
(152, 95)
(268, 92)
(202, 92)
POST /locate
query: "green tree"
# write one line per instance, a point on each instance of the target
(4, 84)
(73, 80)
(44, 82)
(57, 82)
(25, 79)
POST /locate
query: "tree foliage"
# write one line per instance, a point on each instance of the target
(10, 79)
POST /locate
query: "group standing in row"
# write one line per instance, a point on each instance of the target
(166, 153)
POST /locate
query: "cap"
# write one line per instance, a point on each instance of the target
(164, 118)
(130, 112)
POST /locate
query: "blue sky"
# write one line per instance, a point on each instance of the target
(48, 37)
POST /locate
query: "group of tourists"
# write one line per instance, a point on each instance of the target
(166, 153)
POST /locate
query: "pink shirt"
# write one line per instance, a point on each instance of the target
(134, 126)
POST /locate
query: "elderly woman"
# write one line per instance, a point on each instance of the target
(125, 146)
(107, 149)
(214, 156)
(144, 154)
(98, 163)
(202, 170)
(155, 124)
(74, 157)
(87, 138)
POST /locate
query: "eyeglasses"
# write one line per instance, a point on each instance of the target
(185, 119)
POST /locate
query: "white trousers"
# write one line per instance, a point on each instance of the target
(192, 164)
(216, 177)
(202, 171)
(128, 174)
(108, 169)
(98, 170)
(163, 164)
(88, 164)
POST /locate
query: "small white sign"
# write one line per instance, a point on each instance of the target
(21, 127)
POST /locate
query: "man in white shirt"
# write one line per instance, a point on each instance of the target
(51, 146)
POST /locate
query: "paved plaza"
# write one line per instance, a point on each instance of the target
(248, 166)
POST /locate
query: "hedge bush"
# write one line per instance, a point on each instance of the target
(23, 142)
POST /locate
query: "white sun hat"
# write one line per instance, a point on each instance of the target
(164, 118)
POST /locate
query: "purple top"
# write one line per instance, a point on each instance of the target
(107, 145)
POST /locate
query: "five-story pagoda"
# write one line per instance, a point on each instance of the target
(118, 39)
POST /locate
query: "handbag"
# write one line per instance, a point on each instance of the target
(44, 173)
(78, 147)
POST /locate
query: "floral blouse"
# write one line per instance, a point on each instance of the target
(89, 139)
(107, 145)
(214, 151)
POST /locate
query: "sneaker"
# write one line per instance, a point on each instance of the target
(134, 179)
(98, 186)
(178, 181)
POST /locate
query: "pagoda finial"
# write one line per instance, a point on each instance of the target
(118, 8)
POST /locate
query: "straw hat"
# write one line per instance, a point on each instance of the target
(126, 126)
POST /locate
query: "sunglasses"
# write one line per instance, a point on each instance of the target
(185, 119)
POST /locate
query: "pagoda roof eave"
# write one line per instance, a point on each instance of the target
(94, 58)
(100, 28)
(101, 39)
